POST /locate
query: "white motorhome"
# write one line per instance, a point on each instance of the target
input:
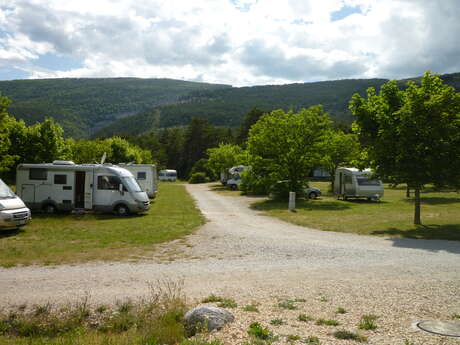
(355, 183)
(145, 175)
(235, 176)
(64, 185)
(168, 175)
(13, 212)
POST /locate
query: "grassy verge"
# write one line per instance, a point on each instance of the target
(392, 216)
(69, 238)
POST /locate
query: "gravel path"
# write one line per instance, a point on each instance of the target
(242, 254)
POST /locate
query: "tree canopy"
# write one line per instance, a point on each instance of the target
(286, 146)
(411, 136)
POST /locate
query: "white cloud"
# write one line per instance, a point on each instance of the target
(240, 42)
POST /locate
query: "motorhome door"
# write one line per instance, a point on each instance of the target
(88, 190)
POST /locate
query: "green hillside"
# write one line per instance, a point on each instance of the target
(227, 107)
(108, 106)
(83, 106)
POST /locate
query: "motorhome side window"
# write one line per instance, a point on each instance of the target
(108, 182)
(141, 175)
(38, 174)
(60, 179)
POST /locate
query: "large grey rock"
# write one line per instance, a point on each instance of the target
(206, 317)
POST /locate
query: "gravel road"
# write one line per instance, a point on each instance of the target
(241, 254)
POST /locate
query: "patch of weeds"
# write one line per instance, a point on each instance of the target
(293, 337)
(327, 322)
(304, 318)
(257, 331)
(455, 316)
(346, 335)
(311, 340)
(341, 310)
(101, 309)
(287, 304)
(277, 322)
(44, 309)
(408, 342)
(301, 300)
(227, 303)
(368, 322)
(212, 299)
(124, 307)
(200, 341)
(323, 299)
(251, 308)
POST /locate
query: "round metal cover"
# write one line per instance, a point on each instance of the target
(447, 328)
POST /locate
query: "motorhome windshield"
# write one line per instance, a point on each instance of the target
(5, 191)
(365, 181)
(131, 184)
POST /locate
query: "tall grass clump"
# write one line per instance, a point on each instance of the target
(154, 320)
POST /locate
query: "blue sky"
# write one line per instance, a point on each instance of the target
(238, 42)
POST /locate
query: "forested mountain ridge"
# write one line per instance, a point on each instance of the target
(82, 105)
(228, 106)
(116, 106)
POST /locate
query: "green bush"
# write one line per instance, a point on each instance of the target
(198, 177)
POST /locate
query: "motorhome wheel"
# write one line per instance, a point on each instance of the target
(122, 210)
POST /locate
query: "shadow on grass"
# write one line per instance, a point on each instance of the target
(436, 201)
(87, 215)
(309, 205)
(449, 232)
(10, 233)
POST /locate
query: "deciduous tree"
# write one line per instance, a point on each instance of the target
(411, 135)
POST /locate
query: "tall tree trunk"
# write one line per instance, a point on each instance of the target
(407, 192)
(417, 220)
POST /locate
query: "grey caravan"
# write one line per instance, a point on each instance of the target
(355, 183)
(64, 185)
(145, 175)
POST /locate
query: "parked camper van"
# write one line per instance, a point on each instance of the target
(168, 175)
(145, 175)
(235, 176)
(13, 212)
(354, 183)
(64, 185)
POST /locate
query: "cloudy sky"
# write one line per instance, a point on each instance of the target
(238, 42)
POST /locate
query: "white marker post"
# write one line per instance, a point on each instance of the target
(291, 201)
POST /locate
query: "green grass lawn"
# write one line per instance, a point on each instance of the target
(69, 238)
(393, 216)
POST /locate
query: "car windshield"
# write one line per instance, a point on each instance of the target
(5, 191)
(131, 184)
(365, 181)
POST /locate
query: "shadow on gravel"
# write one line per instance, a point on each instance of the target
(434, 233)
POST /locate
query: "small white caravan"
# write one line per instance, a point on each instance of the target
(145, 175)
(355, 183)
(64, 185)
(168, 175)
(13, 212)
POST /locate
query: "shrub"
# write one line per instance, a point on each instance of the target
(258, 331)
(350, 336)
(367, 322)
(198, 177)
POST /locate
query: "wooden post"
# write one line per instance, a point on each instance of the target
(291, 201)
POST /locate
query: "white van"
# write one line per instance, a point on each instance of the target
(355, 183)
(13, 212)
(64, 185)
(145, 175)
(168, 175)
(235, 176)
